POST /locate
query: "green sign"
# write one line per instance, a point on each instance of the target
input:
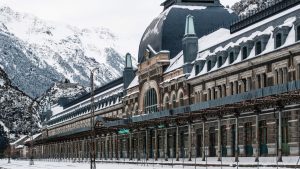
(161, 126)
(124, 131)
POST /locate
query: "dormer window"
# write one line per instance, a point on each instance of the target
(280, 35)
(245, 52)
(258, 48)
(231, 57)
(278, 40)
(220, 61)
(197, 71)
(208, 65)
(298, 33)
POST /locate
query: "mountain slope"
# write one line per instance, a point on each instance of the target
(15, 112)
(37, 53)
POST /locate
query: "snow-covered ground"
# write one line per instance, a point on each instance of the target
(23, 164)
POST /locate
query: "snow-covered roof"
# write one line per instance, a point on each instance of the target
(134, 82)
(223, 35)
(175, 62)
(19, 140)
(165, 31)
(33, 137)
(56, 109)
(221, 40)
(84, 106)
(20, 146)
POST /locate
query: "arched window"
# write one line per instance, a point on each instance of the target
(209, 96)
(258, 81)
(281, 76)
(135, 110)
(245, 52)
(209, 65)
(126, 110)
(258, 49)
(220, 61)
(278, 40)
(231, 88)
(231, 57)
(173, 101)
(166, 103)
(264, 76)
(236, 85)
(298, 33)
(150, 101)
(181, 103)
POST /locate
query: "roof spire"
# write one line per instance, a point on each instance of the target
(189, 26)
(128, 63)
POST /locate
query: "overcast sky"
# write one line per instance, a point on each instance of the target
(127, 19)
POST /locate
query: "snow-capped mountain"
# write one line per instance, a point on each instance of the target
(244, 7)
(38, 53)
(15, 114)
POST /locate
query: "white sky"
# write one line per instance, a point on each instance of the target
(127, 19)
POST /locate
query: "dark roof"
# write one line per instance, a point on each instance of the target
(97, 91)
(169, 27)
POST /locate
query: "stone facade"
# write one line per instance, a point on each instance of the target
(239, 98)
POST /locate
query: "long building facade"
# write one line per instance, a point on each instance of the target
(207, 84)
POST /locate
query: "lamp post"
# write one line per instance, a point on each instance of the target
(92, 153)
(9, 147)
(31, 162)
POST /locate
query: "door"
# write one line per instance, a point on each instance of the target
(199, 143)
(248, 140)
(285, 137)
(233, 150)
(224, 141)
(182, 152)
(212, 142)
(263, 148)
(174, 145)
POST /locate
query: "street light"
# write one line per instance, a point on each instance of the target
(9, 146)
(92, 152)
(31, 162)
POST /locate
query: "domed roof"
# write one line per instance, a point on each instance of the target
(167, 30)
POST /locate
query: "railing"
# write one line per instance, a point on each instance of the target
(279, 6)
(238, 98)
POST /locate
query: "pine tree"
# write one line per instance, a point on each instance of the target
(4, 142)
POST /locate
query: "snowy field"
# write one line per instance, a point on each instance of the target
(69, 165)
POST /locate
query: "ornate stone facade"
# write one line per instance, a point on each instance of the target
(239, 97)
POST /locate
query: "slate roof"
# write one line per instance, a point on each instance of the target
(166, 31)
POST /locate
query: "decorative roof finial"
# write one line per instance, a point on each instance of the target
(128, 61)
(189, 26)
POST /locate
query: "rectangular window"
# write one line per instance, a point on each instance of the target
(258, 48)
(197, 69)
(220, 61)
(245, 52)
(278, 40)
(231, 57)
(298, 33)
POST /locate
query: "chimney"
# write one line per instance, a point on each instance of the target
(128, 73)
(189, 44)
